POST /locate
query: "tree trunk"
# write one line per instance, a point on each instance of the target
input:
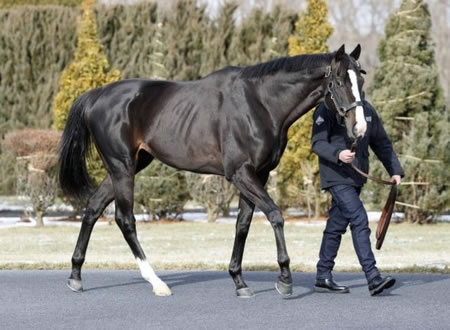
(39, 219)
(316, 204)
(212, 214)
(308, 202)
(226, 211)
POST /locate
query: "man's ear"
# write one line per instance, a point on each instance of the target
(356, 52)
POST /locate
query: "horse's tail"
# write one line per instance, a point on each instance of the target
(74, 178)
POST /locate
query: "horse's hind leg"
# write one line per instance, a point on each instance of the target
(96, 205)
(123, 184)
(242, 226)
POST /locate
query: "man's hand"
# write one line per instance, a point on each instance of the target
(346, 156)
(397, 179)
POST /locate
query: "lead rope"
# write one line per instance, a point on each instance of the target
(378, 180)
(386, 214)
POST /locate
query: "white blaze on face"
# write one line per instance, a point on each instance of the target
(159, 287)
(361, 124)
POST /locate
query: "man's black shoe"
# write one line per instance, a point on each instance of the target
(378, 284)
(328, 285)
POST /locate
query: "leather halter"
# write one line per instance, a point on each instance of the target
(341, 107)
(386, 214)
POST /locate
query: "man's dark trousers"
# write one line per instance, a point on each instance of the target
(346, 208)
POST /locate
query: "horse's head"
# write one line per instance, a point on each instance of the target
(343, 91)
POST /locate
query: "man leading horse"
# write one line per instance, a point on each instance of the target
(331, 142)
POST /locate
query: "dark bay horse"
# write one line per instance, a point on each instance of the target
(233, 122)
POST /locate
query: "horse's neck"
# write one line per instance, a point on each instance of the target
(291, 95)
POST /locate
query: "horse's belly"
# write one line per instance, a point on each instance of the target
(195, 154)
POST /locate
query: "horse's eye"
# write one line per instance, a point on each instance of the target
(339, 83)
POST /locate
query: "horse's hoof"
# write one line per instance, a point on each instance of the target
(162, 290)
(245, 293)
(75, 285)
(284, 289)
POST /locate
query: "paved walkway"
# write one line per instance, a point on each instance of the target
(206, 300)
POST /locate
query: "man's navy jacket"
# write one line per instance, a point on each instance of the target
(329, 138)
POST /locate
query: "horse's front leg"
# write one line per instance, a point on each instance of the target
(242, 227)
(252, 187)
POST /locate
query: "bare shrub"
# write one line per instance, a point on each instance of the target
(30, 141)
(36, 162)
(211, 191)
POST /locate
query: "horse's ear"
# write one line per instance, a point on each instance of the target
(340, 52)
(356, 52)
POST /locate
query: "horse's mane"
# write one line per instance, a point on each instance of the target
(288, 64)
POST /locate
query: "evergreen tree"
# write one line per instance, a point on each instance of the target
(281, 24)
(127, 33)
(260, 36)
(248, 44)
(406, 81)
(312, 30)
(185, 28)
(218, 37)
(35, 45)
(407, 94)
(89, 69)
(299, 166)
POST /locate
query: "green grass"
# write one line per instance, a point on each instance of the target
(202, 246)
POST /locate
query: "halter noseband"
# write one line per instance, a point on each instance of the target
(341, 107)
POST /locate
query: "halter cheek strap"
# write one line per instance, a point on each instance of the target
(342, 109)
(328, 71)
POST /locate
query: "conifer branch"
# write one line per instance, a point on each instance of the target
(404, 118)
(436, 161)
(407, 205)
(400, 100)
(405, 12)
